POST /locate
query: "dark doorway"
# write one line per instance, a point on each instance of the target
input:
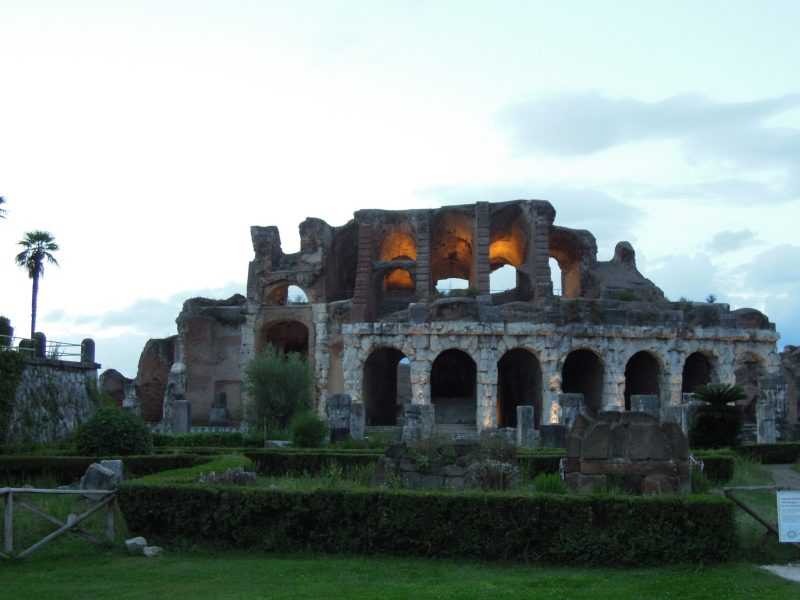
(287, 336)
(582, 373)
(641, 376)
(385, 386)
(696, 372)
(453, 388)
(519, 383)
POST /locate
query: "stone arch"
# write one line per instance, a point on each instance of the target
(398, 243)
(386, 386)
(452, 232)
(508, 248)
(583, 372)
(454, 385)
(519, 383)
(698, 369)
(643, 374)
(287, 335)
(278, 293)
(398, 280)
(574, 250)
(749, 370)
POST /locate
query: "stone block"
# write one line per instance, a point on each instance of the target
(571, 405)
(357, 420)
(646, 403)
(338, 411)
(182, 416)
(98, 477)
(418, 422)
(152, 551)
(574, 445)
(619, 440)
(585, 484)
(678, 443)
(553, 436)
(526, 430)
(116, 466)
(658, 483)
(135, 545)
(596, 442)
(218, 416)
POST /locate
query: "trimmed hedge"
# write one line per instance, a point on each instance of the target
(277, 463)
(588, 530)
(717, 466)
(226, 439)
(67, 469)
(772, 454)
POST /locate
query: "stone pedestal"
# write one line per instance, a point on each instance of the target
(418, 422)
(646, 403)
(526, 432)
(357, 420)
(571, 406)
(553, 436)
(218, 416)
(182, 416)
(338, 411)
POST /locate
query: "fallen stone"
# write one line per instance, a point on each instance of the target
(135, 545)
(98, 477)
(116, 466)
(151, 551)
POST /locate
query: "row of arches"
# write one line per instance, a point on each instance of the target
(453, 383)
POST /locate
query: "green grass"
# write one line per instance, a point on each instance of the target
(200, 575)
(796, 467)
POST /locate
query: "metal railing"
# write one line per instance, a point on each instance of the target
(53, 350)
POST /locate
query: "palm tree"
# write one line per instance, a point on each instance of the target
(39, 246)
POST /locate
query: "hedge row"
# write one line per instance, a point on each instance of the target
(587, 530)
(67, 469)
(233, 439)
(772, 454)
(718, 465)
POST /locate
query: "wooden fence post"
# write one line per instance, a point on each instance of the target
(8, 525)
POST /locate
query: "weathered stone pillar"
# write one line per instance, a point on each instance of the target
(423, 276)
(419, 422)
(526, 430)
(357, 420)
(39, 345)
(338, 412)
(87, 351)
(182, 416)
(362, 293)
(571, 406)
(539, 253)
(480, 249)
(420, 374)
(322, 356)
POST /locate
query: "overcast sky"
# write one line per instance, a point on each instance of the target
(149, 136)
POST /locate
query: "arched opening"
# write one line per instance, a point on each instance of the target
(582, 373)
(508, 248)
(696, 372)
(503, 279)
(398, 244)
(641, 377)
(750, 369)
(398, 280)
(296, 295)
(287, 336)
(519, 383)
(570, 248)
(281, 294)
(386, 386)
(452, 286)
(454, 388)
(452, 233)
(555, 276)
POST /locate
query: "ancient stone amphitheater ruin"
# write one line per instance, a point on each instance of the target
(375, 327)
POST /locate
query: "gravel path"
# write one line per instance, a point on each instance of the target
(785, 476)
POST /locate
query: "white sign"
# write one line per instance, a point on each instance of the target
(789, 517)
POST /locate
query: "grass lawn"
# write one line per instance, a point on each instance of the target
(95, 574)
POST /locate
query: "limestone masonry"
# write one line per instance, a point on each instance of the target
(376, 328)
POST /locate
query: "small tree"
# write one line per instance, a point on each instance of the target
(279, 386)
(718, 423)
(39, 247)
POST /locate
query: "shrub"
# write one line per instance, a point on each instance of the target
(491, 474)
(700, 483)
(11, 366)
(308, 430)
(549, 483)
(280, 385)
(234, 476)
(227, 439)
(772, 454)
(114, 431)
(717, 465)
(716, 425)
(564, 529)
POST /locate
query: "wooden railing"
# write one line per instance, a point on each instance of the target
(106, 500)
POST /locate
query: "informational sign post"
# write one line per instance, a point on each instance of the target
(789, 517)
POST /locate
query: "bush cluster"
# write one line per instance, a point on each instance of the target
(279, 463)
(11, 366)
(566, 529)
(716, 424)
(308, 430)
(113, 431)
(772, 454)
(717, 465)
(280, 385)
(233, 439)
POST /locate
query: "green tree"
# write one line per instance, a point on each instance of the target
(279, 386)
(38, 249)
(716, 424)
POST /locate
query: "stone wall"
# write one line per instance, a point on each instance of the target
(52, 399)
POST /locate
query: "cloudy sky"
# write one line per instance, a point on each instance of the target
(149, 136)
